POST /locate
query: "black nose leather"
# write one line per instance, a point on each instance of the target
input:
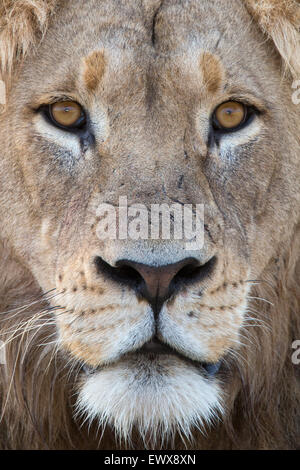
(156, 283)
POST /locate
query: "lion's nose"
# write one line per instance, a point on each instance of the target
(156, 283)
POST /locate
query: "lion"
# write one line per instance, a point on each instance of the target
(149, 343)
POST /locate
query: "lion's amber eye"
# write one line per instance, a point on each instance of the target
(67, 114)
(229, 115)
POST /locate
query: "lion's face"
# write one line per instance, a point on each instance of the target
(152, 321)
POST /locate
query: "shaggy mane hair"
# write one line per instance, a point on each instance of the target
(37, 382)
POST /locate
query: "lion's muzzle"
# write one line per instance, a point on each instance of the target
(159, 283)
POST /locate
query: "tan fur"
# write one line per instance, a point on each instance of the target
(280, 20)
(212, 71)
(163, 67)
(94, 70)
(22, 23)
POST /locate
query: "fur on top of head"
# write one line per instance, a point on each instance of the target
(23, 23)
(280, 21)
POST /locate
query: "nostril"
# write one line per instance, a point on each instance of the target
(127, 274)
(156, 283)
(122, 273)
(194, 272)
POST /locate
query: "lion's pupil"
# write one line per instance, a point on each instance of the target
(66, 113)
(230, 115)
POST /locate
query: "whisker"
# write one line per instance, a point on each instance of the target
(260, 298)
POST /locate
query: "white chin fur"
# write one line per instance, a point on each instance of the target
(158, 397)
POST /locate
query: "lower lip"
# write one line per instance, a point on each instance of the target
(154, 349)
(209, 369)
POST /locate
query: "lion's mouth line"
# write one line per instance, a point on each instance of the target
(155, 348)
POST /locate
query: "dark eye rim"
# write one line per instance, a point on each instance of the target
(249, 114)
(79, 125)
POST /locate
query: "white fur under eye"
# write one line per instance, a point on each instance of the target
(230, 142)
(65, 140)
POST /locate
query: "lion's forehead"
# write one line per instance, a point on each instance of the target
(137, 36)
(156, 22)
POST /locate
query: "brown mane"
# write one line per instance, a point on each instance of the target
(35, 388)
